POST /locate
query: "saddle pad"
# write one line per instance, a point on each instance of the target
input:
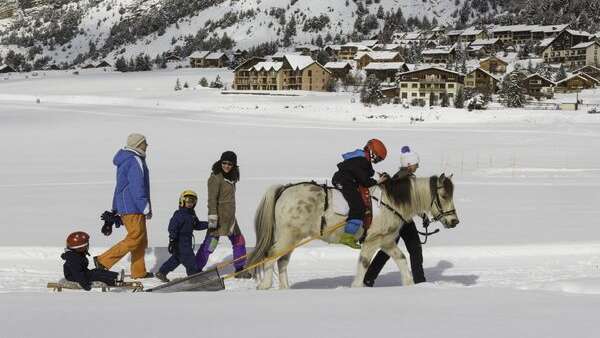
(340, 206)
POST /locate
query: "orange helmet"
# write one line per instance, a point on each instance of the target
(78, 240)
(376, 149)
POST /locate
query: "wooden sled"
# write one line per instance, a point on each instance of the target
(68, 285)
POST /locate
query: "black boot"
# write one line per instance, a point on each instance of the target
(147, 275)
(162, 277)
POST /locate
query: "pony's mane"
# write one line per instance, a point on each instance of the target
(446, 184)
(399, 189)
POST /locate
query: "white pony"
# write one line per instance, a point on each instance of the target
(289, 214)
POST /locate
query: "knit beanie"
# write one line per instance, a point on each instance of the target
(134, 141)
(408, 158)
(229, 156)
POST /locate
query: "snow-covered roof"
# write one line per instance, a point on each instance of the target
(455, 32)
(584, 44)
(268, 65)
(334, 47)
(546, 42)
(378, 55)
(384, 65)
(412, 36)
(434, 67)
(387, 46)
(310, 47)
(476, 48)
(538, 75)
(337, 65)
(369, 43)
(579, 33)
(484, 42)
(299, 62)
(214, 56)
(435, 51)
(471, 31)
(571, 77)
(485, 72)
(549, 29)
(2, 67)
(356, 45)
(578, 70)
(199, 54)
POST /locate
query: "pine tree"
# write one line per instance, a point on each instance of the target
(459, 99)
(561, 75)
(186, 85)
(511, 92)
(371, 91)
(290, 32)
(203, 82)
(121, 65)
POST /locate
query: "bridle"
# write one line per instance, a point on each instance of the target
(435, 200)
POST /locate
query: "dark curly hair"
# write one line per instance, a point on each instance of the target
(233, 175)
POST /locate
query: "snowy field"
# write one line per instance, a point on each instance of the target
(524, 261)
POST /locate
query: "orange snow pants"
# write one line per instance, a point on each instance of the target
(135, 242)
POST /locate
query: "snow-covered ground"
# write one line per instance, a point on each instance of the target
(524, 261)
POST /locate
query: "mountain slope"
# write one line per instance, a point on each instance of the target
(75, 31)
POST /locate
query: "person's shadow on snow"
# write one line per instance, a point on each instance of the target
(432, 274)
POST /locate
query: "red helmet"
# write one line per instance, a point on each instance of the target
(376, 149)
(78, 240)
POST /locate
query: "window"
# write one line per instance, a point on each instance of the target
(415, 85)
(309, 73)
(404, 85)
(450, 85)
(414, 95)
(404, 95)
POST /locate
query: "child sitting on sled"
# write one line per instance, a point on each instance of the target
(181, 228)
(76, 263)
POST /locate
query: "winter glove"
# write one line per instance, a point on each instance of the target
(149, 215)
(109, 218)
(212, 222)
(173, 246)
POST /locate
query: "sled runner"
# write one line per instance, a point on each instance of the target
(209, 280)
(65, 284)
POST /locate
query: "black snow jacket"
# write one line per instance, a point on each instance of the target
(356, 170)
(76, 268)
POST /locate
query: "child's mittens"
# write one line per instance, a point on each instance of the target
(212, 221)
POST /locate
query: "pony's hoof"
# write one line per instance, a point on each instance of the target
(408, 282)
(358, 285)
(263, 287)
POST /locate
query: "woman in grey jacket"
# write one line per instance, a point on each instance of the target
(221, 213)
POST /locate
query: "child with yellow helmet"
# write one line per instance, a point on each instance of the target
(181, 228)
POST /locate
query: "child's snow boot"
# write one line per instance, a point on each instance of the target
(349, 240)
(162, 277)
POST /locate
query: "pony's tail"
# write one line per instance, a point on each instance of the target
(264, 227)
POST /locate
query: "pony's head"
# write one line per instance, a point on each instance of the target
(442, 209)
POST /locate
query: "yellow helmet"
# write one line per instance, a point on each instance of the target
(187, 194)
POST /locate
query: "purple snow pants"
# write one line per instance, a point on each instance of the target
(209, 245)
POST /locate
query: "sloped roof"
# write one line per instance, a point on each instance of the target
(378, 55)
(579, 33)
(357, 45)
(494, 57)
(455, 32)
(214, 56)
(384, 65)
(571, 77)
(268, 65)
(584, 44)
(338, 65)
(199, 54)
(471, 31)
(2, 67)
(538, 75)
(434, 51)
(485, 72)
(433, 67)
(299, 62)
(546, 42)
(484, 42)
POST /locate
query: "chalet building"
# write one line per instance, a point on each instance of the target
(216, 60)
(333, 50)
(206, 59)
(493, 65)
(560, 48)
(585, 54)
(386, 71)
(483, 47)
(309, 50)
(590, 71)
(389, 47)
(592, 79)
(295, 72)
(369, 43)
(7, 69)
(439, 55)
(454, 35)
(535, 85)
(364, 58)
(88, 66)
(482, 81)
(520, 34)
(339, 70)
(471, 34)
(429, 84)
(197, 59)
(573, 84)
(349, 51)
